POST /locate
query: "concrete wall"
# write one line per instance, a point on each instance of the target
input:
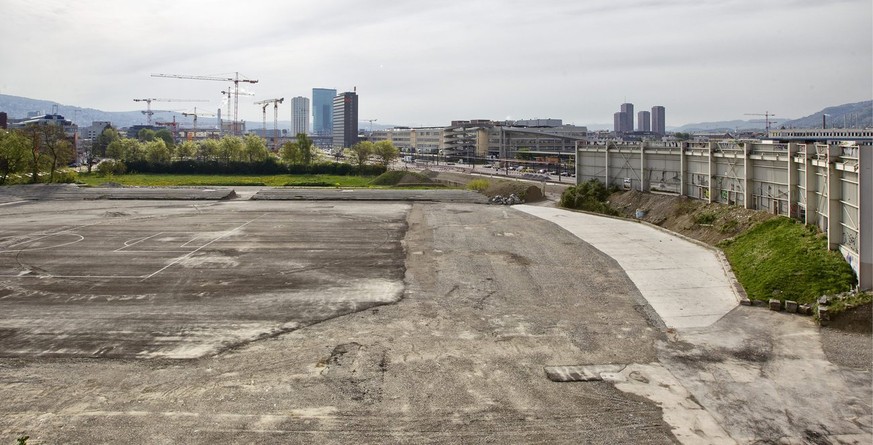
(830, 186)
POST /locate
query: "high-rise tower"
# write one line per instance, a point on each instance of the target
(628, 110)
(322, 111)
(644, 121)
(658, 119)
(300, 115)
(345, 120)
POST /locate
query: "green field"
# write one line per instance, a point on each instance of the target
(168, 180)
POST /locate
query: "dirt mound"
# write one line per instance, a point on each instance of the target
(527, 192)
(707, 222)
(401, 177)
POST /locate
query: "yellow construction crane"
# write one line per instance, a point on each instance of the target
(236, 80)
(264, 104)
(149, 112)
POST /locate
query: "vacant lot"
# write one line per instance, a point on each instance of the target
(100, 297)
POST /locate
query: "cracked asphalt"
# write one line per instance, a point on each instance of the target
(377, 322)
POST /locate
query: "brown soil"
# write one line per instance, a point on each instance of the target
(706, 222)
(524, 190)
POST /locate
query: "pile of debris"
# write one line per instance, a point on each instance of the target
(507, 201)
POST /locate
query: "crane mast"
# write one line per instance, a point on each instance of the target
(264, 104)
(149, 112)
(236, 80)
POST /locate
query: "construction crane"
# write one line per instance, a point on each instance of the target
(767, 118)
(195, 114)
(148, 111)
(236, 80)
(264, 104)
(371, 124)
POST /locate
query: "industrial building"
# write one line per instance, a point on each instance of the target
(829, 185)
(483, 139)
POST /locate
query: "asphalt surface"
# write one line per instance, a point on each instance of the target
(243, 321)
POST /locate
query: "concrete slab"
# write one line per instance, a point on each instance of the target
(183, 281)
(68, 192)
(322, 194)
(685, 283)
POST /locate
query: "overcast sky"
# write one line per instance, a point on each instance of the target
(427, 62)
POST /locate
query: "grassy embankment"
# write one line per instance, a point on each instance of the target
(785, 259)
(777, 258)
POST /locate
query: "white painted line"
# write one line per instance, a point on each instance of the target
(183, 257)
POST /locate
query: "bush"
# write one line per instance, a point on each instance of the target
(111, 167)
(705, 218)
(65, 176)
(590, 196)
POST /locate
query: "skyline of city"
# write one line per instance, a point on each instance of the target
(451, 57)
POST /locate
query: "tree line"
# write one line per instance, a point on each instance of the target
(44, 148)
(34, 150)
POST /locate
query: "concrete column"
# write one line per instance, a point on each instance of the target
(643, 185)
(811, 202)
(834, 210)
(792, 181)
(606, 166)
(683, 169)
(865, 225)
(711, 170)
(748, 198)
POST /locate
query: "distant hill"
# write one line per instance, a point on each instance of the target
(17, 108)
(856, 115)
(721, 126)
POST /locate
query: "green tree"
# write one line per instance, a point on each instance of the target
(145, 135)
(185, 150)
(207, 149)
(230, 148)
(156, 152)
(298, 152)
(682, 136)
(165, 135)
(360, 153)
(255, 148)
(97, 148)
(51, 149)
(126, 149)
(14, 148)
(386, 152)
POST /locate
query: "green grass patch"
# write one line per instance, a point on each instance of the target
(168, 180)
(850, 301)
(478, 185)
(784, 259)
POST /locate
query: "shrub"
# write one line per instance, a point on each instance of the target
(478, 185)
(705, 218)
(111, 167)
(590, 196)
